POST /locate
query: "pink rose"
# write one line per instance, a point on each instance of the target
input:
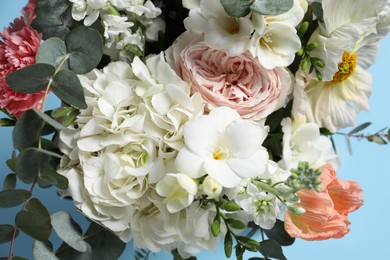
(239, 82)
(17, 50)
(326, 211)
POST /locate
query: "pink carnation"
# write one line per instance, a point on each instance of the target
(17, 50)
(239, 82)
(327, 211)
(29, 11)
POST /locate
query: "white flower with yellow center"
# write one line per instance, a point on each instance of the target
(348, 40)
(224, 146)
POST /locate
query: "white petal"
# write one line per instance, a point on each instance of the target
(219, 170)
(189, 163)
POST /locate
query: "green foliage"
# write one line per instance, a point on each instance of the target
(49, 120)
(85, 47)
(237, 8)
(31, 79)
(67, 87)
(271, 7)
(27, 130)
(53, 52)
(229, 206)
(9, 182)
(43, 250)
(228, 244)
(34, 220)
(67, 230)
(6, 233)
(279, 234)
(271, 248)
(7, 122)
(305, 177)
(12, 198)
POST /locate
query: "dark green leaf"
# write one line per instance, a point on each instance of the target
(279, 234)
(50, 8)
(6, 233)
(49, 120)
(271, 7)
(27, 130)
(234, 223)
(30, 79)
(43, 250)
(53, 52)
(85, 47)
(11, 198)
(49, 177)
(388, 135)
(230, 206)
(376, 139)
(66, 86)
(105, 245)
(237, 8)
(34, 220)
(248, 243)
(359, 128)
(7, 122)
(9, 182)
(317, 10)
(325, 131)
(228, 245)
(271, 248)
(11, 163)
(64, 226)
(29, 164)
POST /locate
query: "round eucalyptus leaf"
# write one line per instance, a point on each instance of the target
(237, 8)
(27, 130)
(43, 250)
(271, 7)
(67, 87)
(11, 198)
(85, 47)
(53, 52)
(9, 182)
(6, 233)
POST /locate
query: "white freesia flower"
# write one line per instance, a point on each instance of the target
(223, 146)
(178, 189)
(262, 206)
(113, 27)
(302, 142)
(221, 31)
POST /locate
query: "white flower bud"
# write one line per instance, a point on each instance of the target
(211, 187)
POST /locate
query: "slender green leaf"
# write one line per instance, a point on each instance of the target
(30, 79)
(234, 223)
(237, 8)
(7, 122)
(85, 47)
(271, 7)
(66, 86)
(43, 250)
(359, 128)
(348, 142)
(53, 52)
(9, 182)
(230, 206)
(61, 111)
(271, 248)
(49, 120)
(34, 220)
(12, 198)
(6, 233)
(376, 139)
(279, 234)
(27, 130)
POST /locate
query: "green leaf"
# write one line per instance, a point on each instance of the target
(279, 234)
(9, 182)
(29, 164)
(388, 135)
(67, 87)
(228, 245)
(248, 243)
(12, 198)
(234, 223)
(6, 233)
(49, 120)
(237, 8)
(61, 111)
(317, 10)
(31, 79)
(34, 220)
(230, 206)
(376, 139)
(271, 7)
(359, 128)
(53, 52)
(7, 122)
(105, 245)
(271, 248)
(85, 47)
(27, 130)
(49, 177)
(65, 228)
(43, 250)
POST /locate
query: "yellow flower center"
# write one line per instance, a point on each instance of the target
(346, 67)
(220, 154)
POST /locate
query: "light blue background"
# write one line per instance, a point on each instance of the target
(369, 165)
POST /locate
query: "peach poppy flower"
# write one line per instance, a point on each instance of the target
(326, 211)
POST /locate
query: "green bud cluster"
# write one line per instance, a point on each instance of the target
(305, 177)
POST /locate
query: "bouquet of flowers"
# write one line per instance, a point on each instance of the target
(185, 124)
